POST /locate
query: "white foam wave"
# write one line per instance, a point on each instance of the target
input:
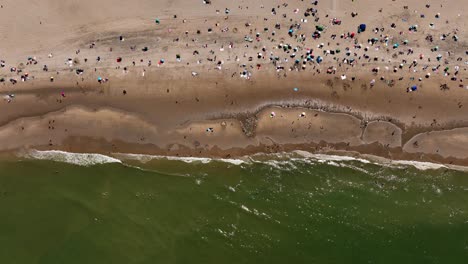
(330, 159)
(278, 161)
(279, 164)
(326, 157)
(146, 158)
(245, 208)
(419, 164)
(83, 159)
(342, 161)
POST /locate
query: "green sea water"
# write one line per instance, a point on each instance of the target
(284, 212)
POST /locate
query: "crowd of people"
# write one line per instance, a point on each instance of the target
(290, 39)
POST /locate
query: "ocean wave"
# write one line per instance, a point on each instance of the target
(287, 165)
(420, 165)
(326, 157)
(331, 160)
(343, 161)
(286, 160)
(144, 158)
(82, 159)
(283, 161)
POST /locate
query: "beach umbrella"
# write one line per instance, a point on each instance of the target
(361, 28)
(414, 88)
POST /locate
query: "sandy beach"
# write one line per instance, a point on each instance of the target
(233, 78)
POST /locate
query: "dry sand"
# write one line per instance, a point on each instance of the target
(166, 110)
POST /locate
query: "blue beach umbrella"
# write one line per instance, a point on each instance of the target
(362, 28)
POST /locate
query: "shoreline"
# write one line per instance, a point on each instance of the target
(273, 159)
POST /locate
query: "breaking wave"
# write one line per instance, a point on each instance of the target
(82, 159)
(146, 158)
(278, 160)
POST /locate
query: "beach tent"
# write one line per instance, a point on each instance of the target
(414, 88)
(319, 27)
(362, 28)
(316, 34)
